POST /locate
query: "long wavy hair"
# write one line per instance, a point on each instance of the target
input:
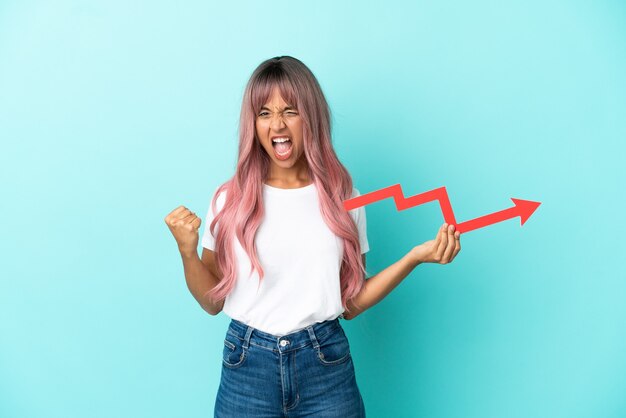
(243, 209)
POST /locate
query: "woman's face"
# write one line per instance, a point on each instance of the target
(275, 122)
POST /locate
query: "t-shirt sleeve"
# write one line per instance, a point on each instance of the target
(208, 239)
(358, 214)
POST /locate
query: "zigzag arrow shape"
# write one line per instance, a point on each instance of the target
(523, 208)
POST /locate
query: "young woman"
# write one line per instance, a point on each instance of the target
(283, 258)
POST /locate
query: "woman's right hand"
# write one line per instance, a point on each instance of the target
(440, 250)
(184, 225)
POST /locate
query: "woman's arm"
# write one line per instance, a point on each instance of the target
(201, 278)
(200, 275)
(380, 285)
(441, 250)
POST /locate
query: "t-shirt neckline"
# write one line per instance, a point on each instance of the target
(298, 190)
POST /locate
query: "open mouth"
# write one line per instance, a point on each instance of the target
(282, 147)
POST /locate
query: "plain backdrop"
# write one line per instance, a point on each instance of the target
(113, 113)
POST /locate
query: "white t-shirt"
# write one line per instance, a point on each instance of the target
(300, 256)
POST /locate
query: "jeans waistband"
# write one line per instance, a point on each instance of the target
(292, 341)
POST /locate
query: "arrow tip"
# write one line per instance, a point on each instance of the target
(525, 208)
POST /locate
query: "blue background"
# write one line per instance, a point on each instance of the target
(114, 113)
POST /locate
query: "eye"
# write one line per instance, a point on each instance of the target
(291, 112)
(262, 113)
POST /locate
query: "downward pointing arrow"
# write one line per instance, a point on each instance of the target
(523, 208)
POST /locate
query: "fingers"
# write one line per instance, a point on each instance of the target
(188, 218)
(451, 244)
(182, 219)
(457, 245)
(180, 216)
(179, 210)
(442, 237)
(447, 244)
(174, 214)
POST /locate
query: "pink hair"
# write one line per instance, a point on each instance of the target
(243, 209)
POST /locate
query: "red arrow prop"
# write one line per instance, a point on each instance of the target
(522, 208)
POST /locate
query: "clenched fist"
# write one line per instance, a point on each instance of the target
(442, 249)
(184, 225)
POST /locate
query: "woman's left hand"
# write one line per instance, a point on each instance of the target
(440, 250)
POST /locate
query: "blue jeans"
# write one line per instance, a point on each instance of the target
(305, 373)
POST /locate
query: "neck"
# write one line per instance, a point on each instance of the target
(296, 176)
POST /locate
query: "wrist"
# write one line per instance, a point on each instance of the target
(187, 254)
(415, 256)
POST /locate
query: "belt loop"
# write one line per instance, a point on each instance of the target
(246, 338)
(312, 336)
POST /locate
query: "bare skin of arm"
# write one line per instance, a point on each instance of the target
(200, 274)
(441, 250)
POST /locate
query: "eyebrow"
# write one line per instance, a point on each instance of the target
(286, 108)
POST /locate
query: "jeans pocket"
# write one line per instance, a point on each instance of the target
(234, 353)
(334, 348)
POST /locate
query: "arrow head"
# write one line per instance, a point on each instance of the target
(525, 208)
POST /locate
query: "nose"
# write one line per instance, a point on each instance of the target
(277, 123)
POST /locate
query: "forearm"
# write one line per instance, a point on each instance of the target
(200, 280)
(380, 285)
